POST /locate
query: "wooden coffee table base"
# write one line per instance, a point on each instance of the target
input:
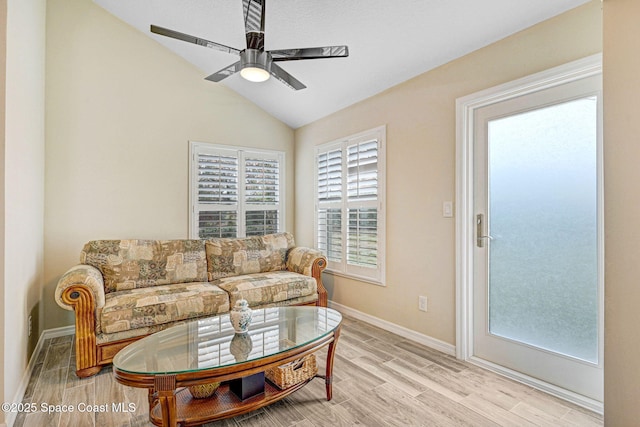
(223, 404)
(171, 403)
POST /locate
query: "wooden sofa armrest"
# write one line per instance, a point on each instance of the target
(83, 275)
(309, 262)
(81, 289)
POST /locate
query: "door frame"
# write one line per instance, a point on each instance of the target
(465, 214)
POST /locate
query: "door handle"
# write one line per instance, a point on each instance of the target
(481, 235)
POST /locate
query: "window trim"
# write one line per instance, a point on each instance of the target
(342, 268)
(195, 147)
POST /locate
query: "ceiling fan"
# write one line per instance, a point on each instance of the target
(257, 64)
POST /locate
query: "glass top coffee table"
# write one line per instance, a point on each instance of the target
(207, 350)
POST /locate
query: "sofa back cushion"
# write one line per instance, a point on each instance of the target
(130, 264)
(227, 257)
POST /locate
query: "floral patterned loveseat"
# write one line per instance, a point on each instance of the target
(123, 290)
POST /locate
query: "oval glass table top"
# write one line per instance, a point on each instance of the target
(211, 342)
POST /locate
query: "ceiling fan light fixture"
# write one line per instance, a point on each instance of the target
(255, 65)
(255, 74)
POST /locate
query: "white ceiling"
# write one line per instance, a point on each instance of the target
(389, 41)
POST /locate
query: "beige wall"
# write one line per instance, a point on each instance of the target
(23, 178)
(121, 109)
(420, 119)
(621, 62)
(3, 78)
(95, 140)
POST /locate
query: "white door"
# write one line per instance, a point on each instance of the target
(536, 297)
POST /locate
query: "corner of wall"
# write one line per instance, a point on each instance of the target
(22, 197)
(3, 78)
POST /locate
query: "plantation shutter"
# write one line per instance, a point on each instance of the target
(363, 171)
(362, 188)
(262, 195)
(330, 176)
(217, 183)
(330, 204)
(235, 192)
(349, 205)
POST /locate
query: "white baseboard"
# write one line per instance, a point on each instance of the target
(57, 332)
(46, 334)
(423, 339)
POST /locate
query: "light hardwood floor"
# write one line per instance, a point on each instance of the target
(380, 379)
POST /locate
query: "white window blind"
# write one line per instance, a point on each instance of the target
(362, 165)
(330, 176)
(330, 233)
(262, 195)
(362, 237)
(235, 192)
(329, 219)
(217, 189)
(350, 204)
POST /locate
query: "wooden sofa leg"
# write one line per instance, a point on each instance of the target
(81, 298)
(86, 348)
(86, 355)
(88, 372)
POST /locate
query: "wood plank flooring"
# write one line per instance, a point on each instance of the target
(380, 379)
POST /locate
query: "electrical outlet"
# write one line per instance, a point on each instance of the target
(422, 303)
(30, 326)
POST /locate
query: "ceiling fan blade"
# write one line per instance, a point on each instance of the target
(310, 53)
(224, 73)
(192, 39)
(286, 78)
(253, 15)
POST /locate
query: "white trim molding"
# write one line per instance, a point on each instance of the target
(22, 388)
(409, 334)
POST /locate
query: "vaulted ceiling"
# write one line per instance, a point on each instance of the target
(389, 41)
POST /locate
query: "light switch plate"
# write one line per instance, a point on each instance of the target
(447, 209)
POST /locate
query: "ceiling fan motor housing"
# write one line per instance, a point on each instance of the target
(256, 59)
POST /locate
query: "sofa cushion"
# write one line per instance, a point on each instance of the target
(131, 264)
(144, 307)
(259, 254)
(267, 288)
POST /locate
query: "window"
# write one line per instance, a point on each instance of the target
(235, 192)
(350, 185)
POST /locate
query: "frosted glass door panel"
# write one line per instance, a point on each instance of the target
(543, 259)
